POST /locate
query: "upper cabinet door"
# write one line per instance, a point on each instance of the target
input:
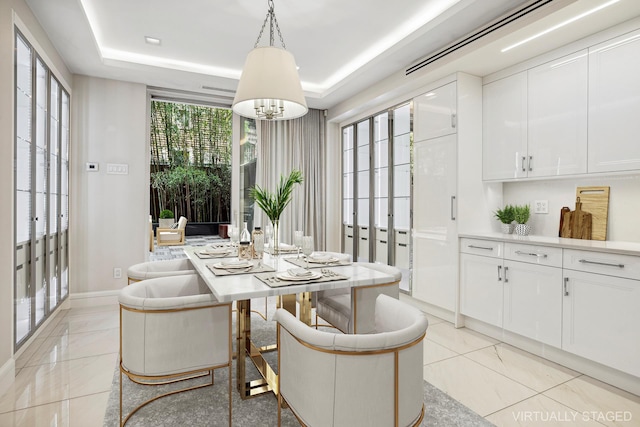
(504, 130)
(434, 113)
(614, 104)
(557, 117)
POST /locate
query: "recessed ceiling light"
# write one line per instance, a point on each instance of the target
(152, 40)
(560, 25)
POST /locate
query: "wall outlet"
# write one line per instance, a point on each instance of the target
(541, 207)
(117, 273)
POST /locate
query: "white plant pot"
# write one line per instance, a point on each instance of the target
(507, 228)
(166, 222)
(523, 229)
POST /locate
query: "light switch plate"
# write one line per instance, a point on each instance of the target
(117, 169)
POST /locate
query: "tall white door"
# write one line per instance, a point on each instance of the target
(434, 220)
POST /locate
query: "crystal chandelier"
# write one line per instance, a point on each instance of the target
(269, 87)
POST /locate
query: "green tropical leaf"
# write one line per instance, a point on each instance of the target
(273, 204)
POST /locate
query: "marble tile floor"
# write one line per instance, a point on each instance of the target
(64, 378)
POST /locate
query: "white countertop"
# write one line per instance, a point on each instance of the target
(246, 286)
(617, 247)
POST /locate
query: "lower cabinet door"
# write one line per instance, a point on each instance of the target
(533, 301)
(481, 288)
(601, 319)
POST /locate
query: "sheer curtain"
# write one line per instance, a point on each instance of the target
(295, 144)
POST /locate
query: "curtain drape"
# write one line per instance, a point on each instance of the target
(295, 144)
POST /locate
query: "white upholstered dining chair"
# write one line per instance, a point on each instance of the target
(171, 329)
(352, 310)
(154, 269)
(368, 380)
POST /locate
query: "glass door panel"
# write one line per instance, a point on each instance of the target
(23, 186)
(381, 186)
(41, 186)
(64, 196)
(348, 182)
(362, 193)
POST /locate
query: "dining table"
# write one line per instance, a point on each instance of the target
(272, 276)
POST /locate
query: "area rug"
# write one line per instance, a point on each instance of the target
(208, 406)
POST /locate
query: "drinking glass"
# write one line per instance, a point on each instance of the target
(307, 247)
(258, 247)
(297, 241)
(234, 234)
(268, 234)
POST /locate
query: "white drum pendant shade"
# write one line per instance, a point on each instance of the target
(270, 80)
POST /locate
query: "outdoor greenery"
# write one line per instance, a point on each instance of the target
(191, 161)
(166, 214)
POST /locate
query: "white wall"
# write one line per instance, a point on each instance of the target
(109, 213)
(624, 203)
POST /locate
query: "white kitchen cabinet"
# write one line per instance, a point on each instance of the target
(481, 288)
(435, 113)
(532, 302)
(601, 319)
(434, 219)
(557, 117)
(614, 104)
(504, 128)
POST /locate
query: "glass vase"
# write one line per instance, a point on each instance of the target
(276, 238)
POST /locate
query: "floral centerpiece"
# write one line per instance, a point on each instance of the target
(273, 204)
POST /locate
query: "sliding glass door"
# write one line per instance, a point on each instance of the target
(41, 190)
(376, 189)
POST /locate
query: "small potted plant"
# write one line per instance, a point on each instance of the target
(166, 219)
(521, 216)
(506, 216)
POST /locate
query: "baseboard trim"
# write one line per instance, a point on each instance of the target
(93, 299)
(7, 375)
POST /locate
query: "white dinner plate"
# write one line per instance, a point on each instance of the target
(322, 260)
(288, 277)
(233, 264)
(215, 251)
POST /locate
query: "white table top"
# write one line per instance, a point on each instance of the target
(246, 286)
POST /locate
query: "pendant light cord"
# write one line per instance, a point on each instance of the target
(271, 17)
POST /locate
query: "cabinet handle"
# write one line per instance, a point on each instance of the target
(363, 238)
(523, 160)
(530, 160)
(505, 275)
(383, 241)
(566, 286)
(499, 276)
(404, 245)
(402, 232)
(453, 200)
(454, 121)
(531, 254)
(479, 247)
(585, 261)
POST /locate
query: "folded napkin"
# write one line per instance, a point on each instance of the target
(299, 272)
(214, 251)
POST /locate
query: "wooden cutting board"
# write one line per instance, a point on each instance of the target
(595, 200)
